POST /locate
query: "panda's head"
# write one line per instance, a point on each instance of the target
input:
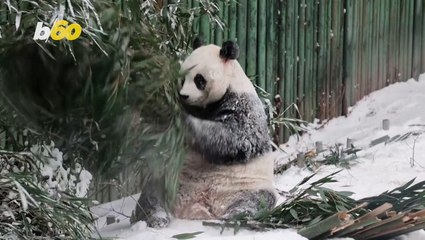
(209, 71)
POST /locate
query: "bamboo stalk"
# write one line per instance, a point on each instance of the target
(423, 40)
(340, 55)
(390, 222)
(374, 47)
(196, 24)
(404, 231)
(386, 38)
(315, 77)
(242, 31)
(218, 32)
(271, 48)
(309, 55)
(296, 57)
(232, 20)
(290, 58)
(226, 12)
(349, 45)
(323, 63)
(261, 44)
(251, 53)
(301, 58)
(410, 31)
(204, 28)
(325, 225)
(282, 58)
(417, 39)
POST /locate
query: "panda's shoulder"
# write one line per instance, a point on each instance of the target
(241, 101)
(239, 104)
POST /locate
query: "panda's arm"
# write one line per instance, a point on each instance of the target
(232, 136)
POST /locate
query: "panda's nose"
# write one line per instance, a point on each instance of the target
(184, 97)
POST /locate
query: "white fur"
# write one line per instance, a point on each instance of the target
(206, 190)
(219, 73)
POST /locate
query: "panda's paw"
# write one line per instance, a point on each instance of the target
(150, 210)
(236, 212)
(249, 203)
(157, 219)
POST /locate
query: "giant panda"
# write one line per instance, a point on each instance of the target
(229, 165)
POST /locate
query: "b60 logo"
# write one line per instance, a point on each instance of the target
(60, 30)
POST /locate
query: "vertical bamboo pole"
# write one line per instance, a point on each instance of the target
(301, 58)
(232, 20)
(381, 44)
(397, 40)
(349, 50)
(282, 58)
(251, 60)
(390, 46)
(366, 49)
(315, 49)
(217, 31)
(225, 31)
(204, 29)
(374, 50)
(322, 73)
(196, 24)
(309, 48)
(361, 45)
(369, 49)
(417, 38)
(410, 33)
(188, 4)
(295, 57)
(242, 31)
(423, 40)
(289, 66)
(271, 24)
(403, 39)
(261, 44)
(329, 52)
(385, 38)
(333, 44)
(341, 101)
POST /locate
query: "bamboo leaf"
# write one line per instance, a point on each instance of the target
(186, 235)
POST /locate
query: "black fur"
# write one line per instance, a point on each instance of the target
(229, 50)
(197, 42)
(232, 130)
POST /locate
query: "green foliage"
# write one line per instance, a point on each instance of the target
(336, 155)
(303, 206)
(404, 198)
(321, 213)
(108, 97)
(28, 211)
(186, 235)
(294, 125)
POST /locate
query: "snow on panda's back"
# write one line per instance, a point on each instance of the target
(229, 168)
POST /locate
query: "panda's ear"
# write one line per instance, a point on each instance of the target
(197, 42)
(229, 50)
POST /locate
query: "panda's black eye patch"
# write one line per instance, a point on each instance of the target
(200, 82)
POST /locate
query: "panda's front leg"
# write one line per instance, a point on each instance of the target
(150, 207)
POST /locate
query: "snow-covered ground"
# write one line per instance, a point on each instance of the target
(377, 169)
